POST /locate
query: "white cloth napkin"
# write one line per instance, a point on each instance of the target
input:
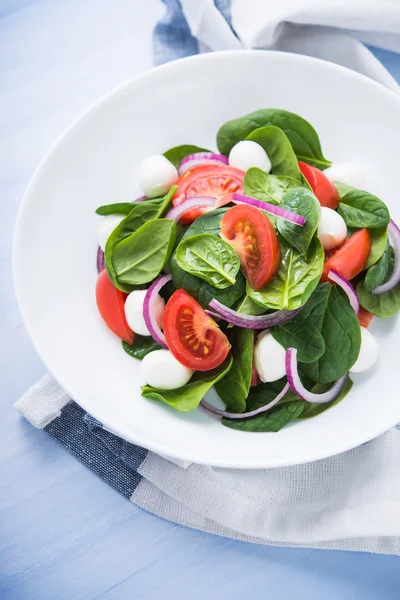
(350, 501)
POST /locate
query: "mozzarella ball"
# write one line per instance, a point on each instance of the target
(156, 174)
(332, 229)
(348, 173)
(134, 311)
(368, 352)
(269, 358)
(107, 226)
(162, 370)
(247, 154)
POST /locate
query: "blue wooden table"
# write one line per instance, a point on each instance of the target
(64, 534)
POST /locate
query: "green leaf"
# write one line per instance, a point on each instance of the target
(302, 136)
(272, 420)
(141, 213)
(378, 272)
(206, 256)
(188, 396)
(379, 239)
(202, 291)
(119, 208)
(302, 202)
(176, 154)
(246, 306)
(343, 188)
(264, 393)
(141, 346)
(361, 209)
(233, 389)
(382, 305)
(142, 256)
(280, 152)
(266, 187)
(312, 410)
(301, 334)
(295, 280)
(330, 312)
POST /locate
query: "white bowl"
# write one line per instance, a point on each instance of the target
(93, 163)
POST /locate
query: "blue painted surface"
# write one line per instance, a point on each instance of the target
(64, 534)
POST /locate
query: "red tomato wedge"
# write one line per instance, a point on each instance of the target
(253, 237)
(350, 258)
(218, 182)
(322, 187)
(192, 335)
(111, 302)
(364, 317)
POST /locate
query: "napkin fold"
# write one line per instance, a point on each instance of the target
(350, 501)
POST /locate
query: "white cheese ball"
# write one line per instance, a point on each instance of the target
(348, 173)
(247, 154)
(134, 311)
(162, 370)
(368, 352)
(332, 229)
(107, 226)
(156, 174)
(269, 358)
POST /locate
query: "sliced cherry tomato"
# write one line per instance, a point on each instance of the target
(192, 335)
(252, 235)
(219, 182)
(322, 187)
(364, 317)
(350, 258)
(110, 302)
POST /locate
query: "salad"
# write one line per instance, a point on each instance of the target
(256, 270)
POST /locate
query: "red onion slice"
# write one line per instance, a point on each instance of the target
(347, 288)
(148, 310)
(252, 413)
(249, 321)
(100, 260)
(394, 235)
(294, 380)
(201, 159)
(275, 210)
(195, 202)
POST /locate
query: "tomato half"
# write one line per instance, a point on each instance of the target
(192, 335)
(322, 187)
(350, 258)
(252, 235)
(110, 302)
(219, 182)
(364, 317)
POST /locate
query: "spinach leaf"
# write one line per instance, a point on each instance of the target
(312, 410)
(343, 188)
(248, 307)
(200, 290)
(119, 208)
(176, 154)
(382, 305)
(263, 393)
(141, 213)
(377, 273)
(206, 256)
(272, 420)
(330, 312)
(142, 256)
(301, 334)
(233, 389)
(188, 396)
(142, 345)
(302, 202)
(361, 209)
(379, 239)
(295, 280)
(266, 187)
(280, 152)
(302, 136)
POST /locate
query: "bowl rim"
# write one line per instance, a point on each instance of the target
(258, 462)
